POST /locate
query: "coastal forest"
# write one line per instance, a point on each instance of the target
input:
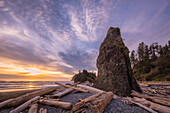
(151, 62)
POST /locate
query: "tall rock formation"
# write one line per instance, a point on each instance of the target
(114, 68)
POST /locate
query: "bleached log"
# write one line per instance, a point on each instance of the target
(4, 103)
(140, 105)
(64, 105)
(54, 99)
(157, 107)
(154, 99)
(33, 108)
(164, 92)
(94, 90)
(93, 104)
(25, 105)
(157, 95)
(19, 100)
(90, 89)
(63, 93)
(9, 95)
(67, 86)
(42, 110)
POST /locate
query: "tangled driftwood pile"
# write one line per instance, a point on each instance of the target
(153, 98)
(48, 96)
(94, 104)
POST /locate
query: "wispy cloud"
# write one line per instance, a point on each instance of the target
(61, 37)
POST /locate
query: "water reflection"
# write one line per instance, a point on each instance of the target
(25, 85)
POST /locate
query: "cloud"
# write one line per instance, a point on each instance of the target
(1, 3)
(80, 60)
(63, 37)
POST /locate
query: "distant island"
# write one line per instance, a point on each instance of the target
(151, 63)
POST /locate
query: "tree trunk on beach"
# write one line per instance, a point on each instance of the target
(67, 86)
(19, 100)
(65, 92)
(25, 105)
(157, 107)
(8, 95)
(159, 100)
(64, 105)
(93, 104)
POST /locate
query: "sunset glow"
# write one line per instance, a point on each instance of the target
(51, 40)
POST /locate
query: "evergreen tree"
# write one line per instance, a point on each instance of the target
(146, 54)
(132, 58)
(141, 51)
(153, 62)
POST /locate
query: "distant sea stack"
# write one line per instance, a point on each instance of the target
(114, 68)
(84, 76)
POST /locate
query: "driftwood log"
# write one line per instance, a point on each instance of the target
(67, 86)
(157, 95)
(94, 90)
(60, 104)
(140, 105)
(4, 103)
(25, 105)
(58, 99)
(63, 93)
(159, 100)
(93, 104)
(90, 89)
(42, 110)
(33, 108)
(163, 92)
(8, 95)
(19, 100)
(157, 107)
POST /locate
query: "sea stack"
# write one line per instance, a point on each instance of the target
(114, 68)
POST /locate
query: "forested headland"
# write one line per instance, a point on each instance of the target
(151, 62)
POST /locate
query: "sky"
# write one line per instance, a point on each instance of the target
(51, 40)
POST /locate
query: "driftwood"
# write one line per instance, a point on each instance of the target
(163, 92)
(4, 103)
(19, 100)
(63, 93)
(8, 95)
(94, 90)
(90, 89)
(159, 100)
(67, 86)
(64, 105)
(42, 110)
(93, 104)
(25, 105)
(157, 95)
(144, 84)
(157, 107)
(54, 99)
(33, 108)
(140, 105)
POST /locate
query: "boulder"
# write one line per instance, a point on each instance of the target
(84, 76)
(114, 68)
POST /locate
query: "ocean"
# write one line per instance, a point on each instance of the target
(6, 86)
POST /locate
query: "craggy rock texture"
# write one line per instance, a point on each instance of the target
(84, 76)
(114, 68)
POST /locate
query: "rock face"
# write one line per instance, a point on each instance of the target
(114, 68)
(84, 76)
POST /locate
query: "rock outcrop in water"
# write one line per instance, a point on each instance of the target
(84, 76)
(114, 68)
